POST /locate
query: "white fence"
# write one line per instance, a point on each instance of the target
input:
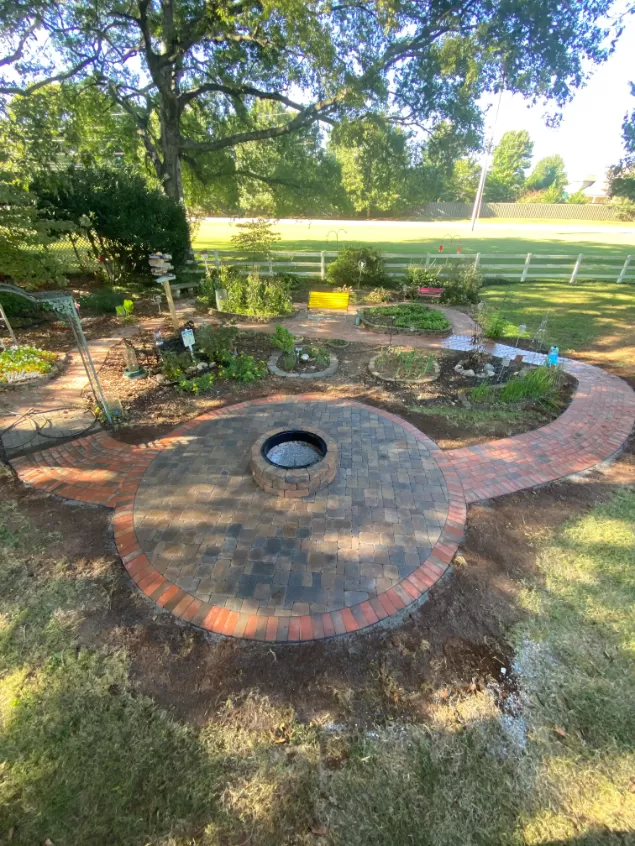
(511, 266)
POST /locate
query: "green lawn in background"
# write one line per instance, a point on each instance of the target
(553, 237)
(577, 315)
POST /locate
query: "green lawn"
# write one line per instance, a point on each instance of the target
(491, 236)
(578, 316)
(87, 761)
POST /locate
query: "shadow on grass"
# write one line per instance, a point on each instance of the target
(90, 761)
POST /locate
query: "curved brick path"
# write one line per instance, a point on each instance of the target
(100, 470)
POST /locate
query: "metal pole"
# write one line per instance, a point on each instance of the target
(322, 266)
(526, 267)
(89, 366)
(576, 270)
(620, 278)
(5, 319)
(479, 193)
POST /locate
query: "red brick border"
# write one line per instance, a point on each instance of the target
(593, 428)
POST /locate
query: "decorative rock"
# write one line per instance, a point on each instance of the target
(202, 365)
(161, 379)
(468, 373)
(489, 369)
(458, 368)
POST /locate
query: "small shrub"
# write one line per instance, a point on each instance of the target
(217, 342)
(15, 306)
(255, 237)
(174, 365)
(379, 295)
(250, 294)
(196, 385)
(102, 301)
(223, 277)
(283, 340)
(320, 355)
(462, 286)
(494, 326)
(345, 270)
(244, 368)
(422, 278)
(410, 316)
(125, 310)
(24, 362)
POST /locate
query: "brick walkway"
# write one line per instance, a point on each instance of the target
(203, 541)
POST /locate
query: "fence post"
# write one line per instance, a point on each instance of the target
(526, 268)
(620, 278)
(477, 261)
(576, 270)
(216, 259)
(427, 260)
(322, 265)
(270, 267)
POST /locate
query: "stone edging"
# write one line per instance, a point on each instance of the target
(58, 368)
(293, 483)
(251, 318)
(432, 377)
(272, 364)
(400, 330)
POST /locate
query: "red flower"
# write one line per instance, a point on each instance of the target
(440, 248)
(458, 249)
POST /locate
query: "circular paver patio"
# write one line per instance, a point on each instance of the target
(209, 530)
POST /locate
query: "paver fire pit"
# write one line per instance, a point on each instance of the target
(293, 462)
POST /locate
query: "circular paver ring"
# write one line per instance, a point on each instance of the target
(207, 544)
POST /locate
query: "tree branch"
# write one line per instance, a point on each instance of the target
(60, 77)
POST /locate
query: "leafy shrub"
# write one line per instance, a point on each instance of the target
(283, 340)
(125, 310)
(345, 270)
(462, 286)
(320, 355)
(21, 362)
(196, 385)
(15, 306)
(174, 365)
(244, 368)
(222, 277)
(122, 218)
(102, 301)
(410, 316)
(494, 326)
(347, 289)
(217, 342)
(405, 364)
(379, 295)
(423, 278)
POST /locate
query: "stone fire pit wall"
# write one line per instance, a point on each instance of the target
(298, 481)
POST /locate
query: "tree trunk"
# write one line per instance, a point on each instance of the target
(170, 144)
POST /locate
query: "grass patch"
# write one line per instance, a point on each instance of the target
(87, 760)
(417, 238)
(540, 385)
(479, 419)
(579, 315)
(405, 364)
(408, 316)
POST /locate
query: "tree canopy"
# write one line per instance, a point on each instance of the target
(188, 73)
(510, 160)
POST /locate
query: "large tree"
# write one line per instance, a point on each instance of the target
(417, 60)
(622, 176)
(373, 157)
(510, 160)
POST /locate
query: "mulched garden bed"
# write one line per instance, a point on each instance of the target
(150, 407)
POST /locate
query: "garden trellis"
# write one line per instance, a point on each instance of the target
(514, 267)
(64, 305)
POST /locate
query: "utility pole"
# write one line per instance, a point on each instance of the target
(489, 146)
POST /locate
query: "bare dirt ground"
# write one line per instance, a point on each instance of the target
(453, 643)
(150, 408)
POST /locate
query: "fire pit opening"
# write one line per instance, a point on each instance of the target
(294, 449)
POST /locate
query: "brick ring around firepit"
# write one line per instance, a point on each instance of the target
(293, 482)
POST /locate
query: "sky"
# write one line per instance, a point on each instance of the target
(589, 138)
